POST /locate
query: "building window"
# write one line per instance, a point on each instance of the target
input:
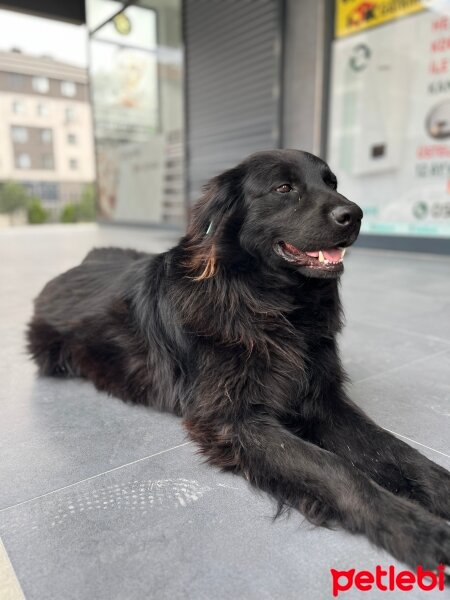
(68, 88)
(16, 81)
(41, 84)
(42, 109)
(42, 189)
(47, 161)
(70, 114)
(23, 161)
(19, 135)
(18, 107)
(46, 136)
(71, 139)
(73, 164)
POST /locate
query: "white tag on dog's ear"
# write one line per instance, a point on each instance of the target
(208, 231)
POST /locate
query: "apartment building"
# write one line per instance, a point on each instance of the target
(46, 138)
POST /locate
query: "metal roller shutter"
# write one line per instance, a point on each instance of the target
(233, 72)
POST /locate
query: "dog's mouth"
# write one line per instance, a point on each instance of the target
(328, 260)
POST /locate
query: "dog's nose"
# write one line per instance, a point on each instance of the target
(346, 215)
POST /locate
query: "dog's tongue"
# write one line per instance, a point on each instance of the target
(334, 254)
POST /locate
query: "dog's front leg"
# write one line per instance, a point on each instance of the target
(323, 486)
(347, 431)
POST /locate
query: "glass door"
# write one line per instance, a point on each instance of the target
(136, 79)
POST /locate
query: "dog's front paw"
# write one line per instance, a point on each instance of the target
(413, 535)
(428, 543)
(437, 547)
(434, 490)
(441, 497)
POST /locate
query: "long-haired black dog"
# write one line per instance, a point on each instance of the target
(235, 330)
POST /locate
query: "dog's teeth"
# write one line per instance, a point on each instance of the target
(321, 257)
(344, 250)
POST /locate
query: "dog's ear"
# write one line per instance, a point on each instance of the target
(213, 222)
(221, 197)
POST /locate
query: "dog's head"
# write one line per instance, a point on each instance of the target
(280, 207)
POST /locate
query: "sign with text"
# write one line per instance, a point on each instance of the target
(356, 15)
(389, 136)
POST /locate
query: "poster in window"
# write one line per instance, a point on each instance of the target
(389, 136)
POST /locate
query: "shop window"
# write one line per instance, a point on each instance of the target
(389, 134)
(42, 189)
(99, 11)
(136, 82)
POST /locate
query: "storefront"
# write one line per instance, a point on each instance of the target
(244, 82)
(182, 89)
(389, 121)
(171, 79)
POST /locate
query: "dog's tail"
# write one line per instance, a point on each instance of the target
(112, 254)
(49, 348)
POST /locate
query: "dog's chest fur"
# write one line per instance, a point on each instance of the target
(291, 351)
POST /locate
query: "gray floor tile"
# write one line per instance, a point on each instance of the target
(58, 432)
(172, 528)
(402, 293)
(413, 400)
(369, 349)
(191, 532)
(423, 274)
(400, 309)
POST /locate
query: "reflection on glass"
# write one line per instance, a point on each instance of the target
(99, 11)
(390, 117)
(137, 93)
(125, 92)
(135, 26)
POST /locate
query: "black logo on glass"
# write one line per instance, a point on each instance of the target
(360, 57)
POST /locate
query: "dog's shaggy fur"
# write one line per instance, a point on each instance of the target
(234, 329)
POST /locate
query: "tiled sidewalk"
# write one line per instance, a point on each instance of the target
(100, 500)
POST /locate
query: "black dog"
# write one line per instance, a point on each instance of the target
(235, 330)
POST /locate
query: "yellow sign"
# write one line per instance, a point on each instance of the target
(357, 15)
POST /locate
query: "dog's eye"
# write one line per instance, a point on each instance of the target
(284, 189)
